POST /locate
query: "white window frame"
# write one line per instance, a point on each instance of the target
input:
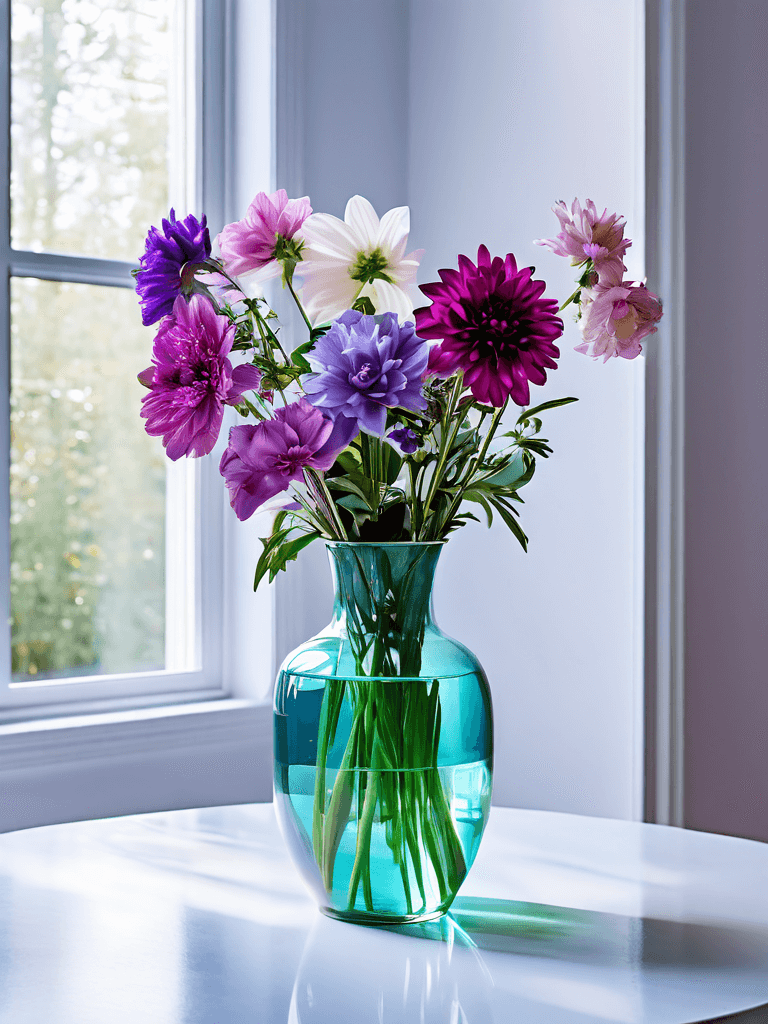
(194, 569)
(89, 757)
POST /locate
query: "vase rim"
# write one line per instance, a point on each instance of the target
(384, 543)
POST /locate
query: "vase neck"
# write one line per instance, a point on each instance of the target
(383, 602)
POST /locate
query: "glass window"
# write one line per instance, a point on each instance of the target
(87, 487)
(105, 560)
(89, 124)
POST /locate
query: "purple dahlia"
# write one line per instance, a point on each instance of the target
(365, 365)
(191, 379)
(159, 282)
(263, 459)
(494, 325)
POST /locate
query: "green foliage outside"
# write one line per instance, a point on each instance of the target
(90, 121)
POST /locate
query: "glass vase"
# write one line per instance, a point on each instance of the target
(383, 744)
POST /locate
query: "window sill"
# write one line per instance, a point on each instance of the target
(133, 761)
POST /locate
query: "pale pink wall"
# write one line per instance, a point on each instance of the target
(726, 481)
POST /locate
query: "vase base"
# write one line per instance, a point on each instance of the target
(380, 920)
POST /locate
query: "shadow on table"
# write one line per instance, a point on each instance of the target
(560, 933)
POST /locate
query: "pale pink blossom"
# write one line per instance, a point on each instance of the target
(585, 234)
(254, 243)
(616, 316)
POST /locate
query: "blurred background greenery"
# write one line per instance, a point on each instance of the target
(90, 173)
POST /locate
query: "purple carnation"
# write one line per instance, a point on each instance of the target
(159, 282)
(365, 365)
(191, 379)
(494, 325)
(263, 459)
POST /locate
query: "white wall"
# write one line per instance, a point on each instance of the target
(512, 107)
(509, 107)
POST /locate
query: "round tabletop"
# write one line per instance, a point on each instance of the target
(198, 917)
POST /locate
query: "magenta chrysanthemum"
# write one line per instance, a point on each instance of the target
(191, 379)
(253, 243)
(494, 325)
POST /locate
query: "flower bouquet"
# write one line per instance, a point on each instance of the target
(380, 433)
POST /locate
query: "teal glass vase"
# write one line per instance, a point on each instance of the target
(383, 744)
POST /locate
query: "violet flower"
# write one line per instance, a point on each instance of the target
(494, 325)
(617, 315)
(365, 365)
(263, 459)
(407, 440)
(588, 235)
(259, 239)
(182, 244)
(191, 379)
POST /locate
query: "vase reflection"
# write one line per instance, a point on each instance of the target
(429, 972)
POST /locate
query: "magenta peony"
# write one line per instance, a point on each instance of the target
(587, 235)
(191, 379)
(494, 325)
(617, 315)
(256, 241)
(263, 459)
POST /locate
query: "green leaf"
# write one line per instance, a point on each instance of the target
(528, 414)
(512, 473)
(297, 356)
(349, 460)
(279, 550)
(351, 501)
(478, 497)
(510, 521)
(343, 483)
(364, 305)
(392, 464)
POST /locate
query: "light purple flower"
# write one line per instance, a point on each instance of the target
(586, 234)
(616, 316)
(255, 242)
(191, 379)
(263, 459)
(365, 365)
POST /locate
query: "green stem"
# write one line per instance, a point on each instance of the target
(570, 299)
(477, 461)
(446, 441)
(305, 318)
(363, 837)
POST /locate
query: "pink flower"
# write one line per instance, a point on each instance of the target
(258, 240)
(587, 235)
(263, 459)
(616, 316)
(191, 379)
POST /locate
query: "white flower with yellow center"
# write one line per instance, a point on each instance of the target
(360, 256)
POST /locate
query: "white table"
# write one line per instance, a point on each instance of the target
(197, 917)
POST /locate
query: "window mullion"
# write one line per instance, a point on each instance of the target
(49, 266)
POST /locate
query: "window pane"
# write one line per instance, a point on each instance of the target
(87, 486)
(89, 124)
